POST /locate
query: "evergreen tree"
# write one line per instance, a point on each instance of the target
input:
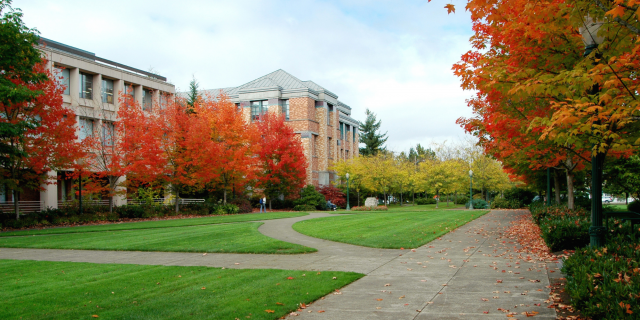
(192, 95)
(373, 141)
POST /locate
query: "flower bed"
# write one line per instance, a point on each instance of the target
(363, 208)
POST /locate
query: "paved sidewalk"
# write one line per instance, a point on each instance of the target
(449, 278)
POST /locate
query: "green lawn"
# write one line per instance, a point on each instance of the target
(234, 237)
(71, 290)
(161, 223)
(616, 207)
(406, 227)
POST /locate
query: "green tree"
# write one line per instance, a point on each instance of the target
(18, 55)
(193, 95)
(370, 136)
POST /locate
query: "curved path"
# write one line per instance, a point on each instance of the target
(474, 272)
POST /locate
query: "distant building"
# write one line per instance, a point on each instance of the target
(93, 85)
(322, 122)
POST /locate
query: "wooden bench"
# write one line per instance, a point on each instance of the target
(634, 217)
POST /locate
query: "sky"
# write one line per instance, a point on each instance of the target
(392, 57)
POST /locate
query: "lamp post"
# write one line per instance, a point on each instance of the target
(80, 163)
(471, 190)
(589, 32)
(348, 208)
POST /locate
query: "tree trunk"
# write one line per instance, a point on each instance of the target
(358, 198)
(570, 197)
(414, 198)
(556, 182)
(16, 205)
(177, 199)
(225, 197)
(111, 205)
(626, 198)
(401, 199)
(269, 203)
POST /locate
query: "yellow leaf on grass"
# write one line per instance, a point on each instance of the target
(269, 311)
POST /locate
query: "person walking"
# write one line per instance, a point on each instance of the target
(263, 204)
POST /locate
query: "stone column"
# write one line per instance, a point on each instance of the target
(137, 91)
(155, 101)
(121, 198)
(118, 88)
(49, 196)
(97, 91)
(74, 86)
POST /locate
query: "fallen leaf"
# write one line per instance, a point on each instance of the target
(269, 311)
(290, 278)
(401, 297)
(203, 288)
(320, 311)
(379, 299)
(280, 303)
(388, 285)
(95, 316)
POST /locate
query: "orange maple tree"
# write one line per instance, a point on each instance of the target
(236, 139)
(528, 67)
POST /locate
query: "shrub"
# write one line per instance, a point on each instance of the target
(583, 201)
(424, 201)
(461, 200)
(562, 228)
(506, 204)
(244, 205)
(478, 204)
(309, 196)
(634, 206)
(604, 283)
(333, 194)
(304, 207)
(380, 208)
(521, 195)
(361, 208)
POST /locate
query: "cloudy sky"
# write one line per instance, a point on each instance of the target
(393, 57)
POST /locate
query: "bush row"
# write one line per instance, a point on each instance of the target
(478, 204)
(501, 203)
(70, 214)
(604, 283)
(424, 201)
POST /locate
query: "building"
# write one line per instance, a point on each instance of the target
(323, 123)
(93, 85)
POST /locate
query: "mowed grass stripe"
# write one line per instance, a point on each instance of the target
(160, 223)
(396, 228)
(70, 290)
(223, 238)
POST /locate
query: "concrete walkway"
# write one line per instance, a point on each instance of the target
(472, 272)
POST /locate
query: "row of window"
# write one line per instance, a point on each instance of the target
(107, 93)
(87, 130)
(258, 108)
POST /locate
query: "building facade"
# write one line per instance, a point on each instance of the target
(93, 85)
(322, 122)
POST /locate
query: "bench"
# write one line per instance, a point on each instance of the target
(634, 217)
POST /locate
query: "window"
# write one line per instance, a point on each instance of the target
(285, 109)
(164, 99)
(86, 86)
(128, 91)
(63, 74)
(86, 128)
(354, 135)
(146, 99)
(258, 108)
(329, 110)
(341, 130)
(238, 107)
(107, 91)
(108, 131)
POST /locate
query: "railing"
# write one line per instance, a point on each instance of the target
(62, 203)
(164, 201)
(24, 206)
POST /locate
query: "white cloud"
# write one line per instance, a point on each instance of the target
(394, 58)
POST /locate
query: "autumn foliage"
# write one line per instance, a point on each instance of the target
(333, 194)
(281, 163)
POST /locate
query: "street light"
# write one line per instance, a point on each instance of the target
(471, 190)
(80, 163)
(589, 32)
(348, 208)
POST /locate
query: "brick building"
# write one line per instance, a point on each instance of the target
(322, 122)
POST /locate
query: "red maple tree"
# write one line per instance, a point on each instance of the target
(333, 194)
(281, 161)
